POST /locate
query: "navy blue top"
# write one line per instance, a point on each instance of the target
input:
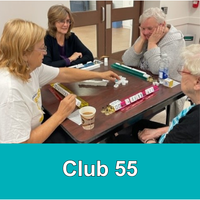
(55, 55)
(188, 128)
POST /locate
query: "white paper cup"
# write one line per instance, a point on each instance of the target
(87, 114)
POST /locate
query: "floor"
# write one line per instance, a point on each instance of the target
(87, 34)
(161, 117)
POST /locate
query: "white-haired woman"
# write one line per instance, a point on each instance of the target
(157, 38)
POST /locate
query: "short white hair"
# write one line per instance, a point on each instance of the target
(156, 12)
(191, 56)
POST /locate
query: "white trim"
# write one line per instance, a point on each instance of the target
(185, 21)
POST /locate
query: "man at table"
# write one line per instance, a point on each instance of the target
(156, 38)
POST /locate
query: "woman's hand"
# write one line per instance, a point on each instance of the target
(146, 135)
(109, 75)
(75, 56)
(66, 107)
(151, 141)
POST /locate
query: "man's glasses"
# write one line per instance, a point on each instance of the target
(148, 28)
(64, 21)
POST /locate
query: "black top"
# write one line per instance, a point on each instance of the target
(72, 44)
(188, 128)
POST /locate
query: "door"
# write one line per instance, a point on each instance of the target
(106, 27)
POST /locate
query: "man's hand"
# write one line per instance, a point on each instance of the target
(157, 34)
(142, 37)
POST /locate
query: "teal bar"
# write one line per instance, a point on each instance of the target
(164, 171)
(135, 73)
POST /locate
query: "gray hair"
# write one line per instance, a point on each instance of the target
(157, 13)
(191, 56)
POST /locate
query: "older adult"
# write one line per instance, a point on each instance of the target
(22, 74)
(185, 128)
(157, 38)
(63, 47)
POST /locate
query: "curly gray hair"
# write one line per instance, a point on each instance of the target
(191, 56)
(156, 12)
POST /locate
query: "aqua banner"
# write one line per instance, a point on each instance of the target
(99, 171)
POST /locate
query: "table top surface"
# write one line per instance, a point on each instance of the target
(101, 96)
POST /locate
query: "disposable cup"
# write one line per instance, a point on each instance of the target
(87, 114)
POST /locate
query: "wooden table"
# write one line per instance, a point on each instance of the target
(100, 96)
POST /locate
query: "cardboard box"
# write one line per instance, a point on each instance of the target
(168, 82)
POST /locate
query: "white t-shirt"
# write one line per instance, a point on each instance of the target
(20, 103)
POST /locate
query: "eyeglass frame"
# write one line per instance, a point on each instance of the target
(148, 28)
(43, 49)
(184, 72)
(68, 21)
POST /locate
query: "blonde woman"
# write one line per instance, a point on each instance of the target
(22, 74)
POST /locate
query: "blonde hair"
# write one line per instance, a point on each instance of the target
(191, 56)
(56, 13)
(156, 12)
(18, 38)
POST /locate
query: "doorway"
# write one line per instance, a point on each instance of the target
(107, 27)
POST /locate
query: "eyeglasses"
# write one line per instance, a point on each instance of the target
(148, 28)
(43, 49)
(183, 72)
(64, 21)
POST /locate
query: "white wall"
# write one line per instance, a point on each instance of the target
(180, 13)
(35, 11)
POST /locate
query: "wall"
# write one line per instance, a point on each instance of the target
(35, 11)
(180, 13)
